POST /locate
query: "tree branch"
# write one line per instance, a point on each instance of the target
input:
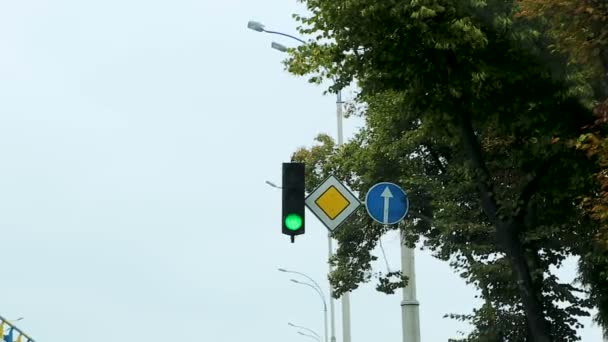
(473, 150)
(436, 158)
(531, 188)
(422, 217)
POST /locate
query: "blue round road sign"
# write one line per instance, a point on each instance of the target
(386, 203)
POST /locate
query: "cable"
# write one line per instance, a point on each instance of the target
(388, 268)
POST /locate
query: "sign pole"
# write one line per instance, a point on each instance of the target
(410, 305)
(345, 296)
(388, 204)
(331, 297)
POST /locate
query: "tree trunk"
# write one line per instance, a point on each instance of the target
(507, 233)
(512, 246)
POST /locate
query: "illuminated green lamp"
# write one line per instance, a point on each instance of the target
(293, 222)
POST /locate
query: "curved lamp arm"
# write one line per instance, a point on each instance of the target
(311, 336)
(305, 328)
(256, 26)
(314, 288)
(303, 275)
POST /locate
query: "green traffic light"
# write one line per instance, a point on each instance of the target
(293, 222)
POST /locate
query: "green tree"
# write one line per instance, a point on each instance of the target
(471, 110)
(580, 31)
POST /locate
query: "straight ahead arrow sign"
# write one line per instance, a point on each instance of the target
(387, 195)
(386, 203)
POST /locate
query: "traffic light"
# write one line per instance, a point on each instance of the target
(293, 199)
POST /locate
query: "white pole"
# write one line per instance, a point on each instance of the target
(346, 317)
(339, 116)
(345, 296)
(331, 298)
(409, 305)
(325, 322)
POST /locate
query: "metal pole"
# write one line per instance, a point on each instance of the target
(324, 303)
(339, 116)
(319, 290)
(346, 296)
(325, 322)
(409, 305)
(346, 317)
(331, 298)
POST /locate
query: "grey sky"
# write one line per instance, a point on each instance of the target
(135, 139)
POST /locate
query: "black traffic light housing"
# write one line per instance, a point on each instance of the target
(292, 218)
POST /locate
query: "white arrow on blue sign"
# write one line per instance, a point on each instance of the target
(386, 203)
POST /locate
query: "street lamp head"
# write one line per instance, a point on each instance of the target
(256, 26)
(295, 281)
(272, 184)
(301, 333)
(282, 270)
(290, 324)
(279, 47)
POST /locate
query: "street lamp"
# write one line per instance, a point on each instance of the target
(319, 291)
(273, 185)
(316, 289)
(308, 335)
(254, 25)
(303, 275)
(259, 27)
(305, 328)
(278, 46)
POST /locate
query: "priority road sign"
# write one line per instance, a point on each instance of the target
(332, 203)
(386, 203)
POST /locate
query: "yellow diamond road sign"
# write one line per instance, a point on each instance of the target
(332, 202)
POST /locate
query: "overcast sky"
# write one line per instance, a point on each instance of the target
(135, 139)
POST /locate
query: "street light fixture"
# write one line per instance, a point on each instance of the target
(256, 26)
(273, 185)
(303, 275)
(319, 291)
(278, 46)
(259, 27)
(314, 288)
(311, 336)
(305, 328)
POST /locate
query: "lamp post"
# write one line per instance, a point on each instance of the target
(259, 27)
(317, 289)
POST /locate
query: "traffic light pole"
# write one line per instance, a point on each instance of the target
(345, 296)
(256, 26)
(331, 298)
